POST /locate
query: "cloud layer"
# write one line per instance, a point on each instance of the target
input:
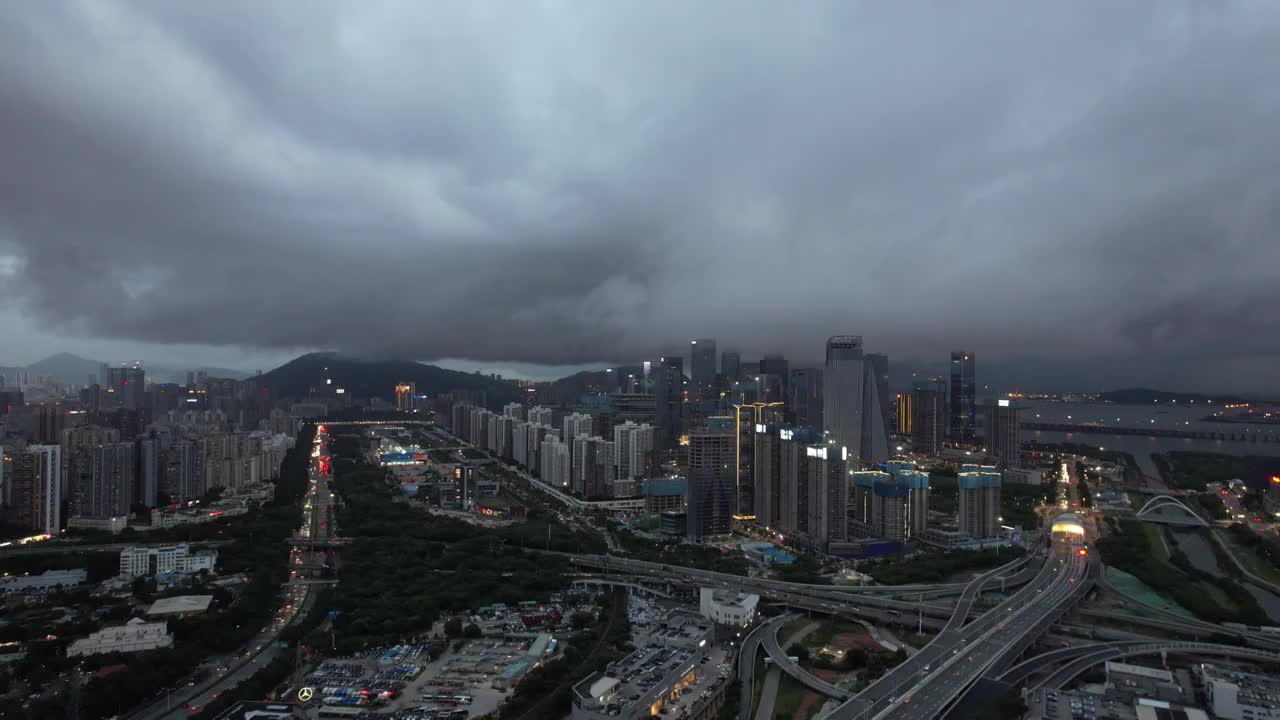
(574, 182)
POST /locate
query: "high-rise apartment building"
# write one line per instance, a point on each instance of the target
(979, 503)
(633, 445)
(668, 393)
(702, 366)
(514, 410)
(777, 374)
(765, 472)
(593, 466)
(555, 460)
(34, 487)
(520, 443)
(106, 490)
(711, 481)
(1002, 433)
(745, 420)
(828, 501)
(539, 415)
(575, 425)
(793, 479)
(128, 385)
(963, 408)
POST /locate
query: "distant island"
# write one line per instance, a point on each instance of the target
(1147, 396)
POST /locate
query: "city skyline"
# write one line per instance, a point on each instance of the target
(234, 214)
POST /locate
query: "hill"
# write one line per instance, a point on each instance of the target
(1146, 396)
(65, 368)
(301, 376)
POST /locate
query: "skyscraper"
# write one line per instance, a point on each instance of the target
(874, 445)
(746, 418)
(514, 410)
(775, 365)
(702, 366)
(711, 480)
(842, 387)
(669, 401)
(927, 422)
(878, 376)
(730, 366)
(1001, 435)
(806, 396)
(128, 384)
(979, 503)
(964, 420)
(903, 408)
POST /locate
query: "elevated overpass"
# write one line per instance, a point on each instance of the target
(1115, 651)
(806, 678)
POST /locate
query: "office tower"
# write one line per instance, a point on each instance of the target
(878, 375)
(104, 375)
(35, 488)
(633, 444)
(828, 505)
(669, 401)
(979, 503)
(774, 366)
(106, 489)
(745, 420)
(711, 480)
(805, 399)
(404, 396)
(765, 475)
(902, 407)
(514, 410)
(730, 366)
(539, 415)
(793, 479)
(843, 382)
(1002, 433)
(874, 444)
(636, 408)
(927, 422)
(702, 367)
(128, 384)
(963, 425)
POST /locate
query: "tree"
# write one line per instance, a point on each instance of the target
(580, 620)
(798, 651)
(453, 627)
(472, 631)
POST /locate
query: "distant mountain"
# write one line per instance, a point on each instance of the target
(1146, 396)
(179, 375)
(575, 385)
(301, 376)
(65, 368)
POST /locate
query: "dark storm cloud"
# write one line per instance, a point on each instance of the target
(559, 184)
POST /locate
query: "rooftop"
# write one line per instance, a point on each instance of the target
(180, 605)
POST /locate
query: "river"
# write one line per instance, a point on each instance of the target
(1196, 547)
(1166, 415)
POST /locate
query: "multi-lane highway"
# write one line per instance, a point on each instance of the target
(296, 600)
(1002, 630)
(929, 680)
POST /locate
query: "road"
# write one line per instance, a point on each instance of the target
(768, 694)
(747, 663)
(961, 649)
(55, 547)
(1009, 627)
(296, 601)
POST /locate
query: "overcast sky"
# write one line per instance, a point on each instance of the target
(1078, 191)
